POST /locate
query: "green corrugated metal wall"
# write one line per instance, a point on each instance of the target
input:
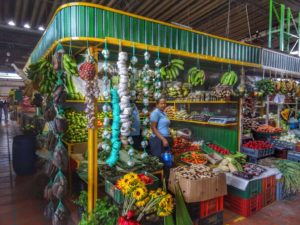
(225, 136)
(85, 21)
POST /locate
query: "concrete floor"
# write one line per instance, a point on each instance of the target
(21, 201)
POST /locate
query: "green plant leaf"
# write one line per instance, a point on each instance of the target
(182, 214)
(168, 220)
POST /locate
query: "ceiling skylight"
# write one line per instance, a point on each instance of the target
(13, 76)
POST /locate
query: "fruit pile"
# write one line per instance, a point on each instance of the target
(171, 71)
(219, 149)
(265, 87)
(177, 90)
(229, 78)
(196, 76)
(170, 111)
(182, 114)
(268, 129)
(77, 126)
(258, 145)
(193, 158)
(285, 86)
(181, 145)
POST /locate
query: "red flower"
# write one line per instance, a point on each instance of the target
(130, 214)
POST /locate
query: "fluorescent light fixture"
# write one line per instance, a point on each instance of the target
(11, 23)
(41, 28)
(13, 76)
(181, 25)
(27, 26)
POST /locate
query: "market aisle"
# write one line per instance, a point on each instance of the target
(20, 197)
(18, 205)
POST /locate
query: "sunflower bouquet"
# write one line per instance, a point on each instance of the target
(138, 198)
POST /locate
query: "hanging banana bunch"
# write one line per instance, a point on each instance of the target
(196, 76)
(172, 70)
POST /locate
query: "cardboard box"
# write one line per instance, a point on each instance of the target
(199, 190)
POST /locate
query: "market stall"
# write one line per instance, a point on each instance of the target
(113, 62)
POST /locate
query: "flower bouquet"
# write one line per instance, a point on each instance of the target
(139, 201)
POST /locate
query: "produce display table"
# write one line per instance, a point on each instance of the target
(242, 184)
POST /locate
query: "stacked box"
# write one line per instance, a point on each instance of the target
(254, 188)
(268, 190)
(242, 206)
(293, 156)
(214, 219)
(204, 209)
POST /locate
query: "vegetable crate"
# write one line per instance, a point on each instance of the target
(282, 144)
(257, 153)
(242, 206)
(215, 219)
(281, 153)
(264, 136)
(293, 156)
(209, 150)
(279, 191)
(117, 195)
(206, 208)
(268, 190)
(254, 188)
(114, 192)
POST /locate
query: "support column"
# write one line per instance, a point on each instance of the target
(281, 27)
(270, 23)
(93, 155)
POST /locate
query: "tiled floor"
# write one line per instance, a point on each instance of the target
(21, 202)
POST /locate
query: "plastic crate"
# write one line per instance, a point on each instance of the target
(257, 153)
(281, 153)
(209, 150)
(264, 136)
(282, 144)
(279, 191)
(268, 190)
(206, 208)
(254, 188)
(215, 219)
(294, 156)
(242, 206)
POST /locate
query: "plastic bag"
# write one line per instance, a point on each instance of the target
(48, 194)
(59, 186)
(50, 169)
(49, 210)
(60, 156)
(60, 215)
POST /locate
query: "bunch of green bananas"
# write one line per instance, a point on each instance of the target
(72, 93)
(185, 89)
(70, 65)
(196, 76)
(171, 71)
(229, 78)
(43, 76)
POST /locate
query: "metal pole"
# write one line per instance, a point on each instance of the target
(92, 159)
(270, 23)
(281, 27)
(299, 34)
(288, 30)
